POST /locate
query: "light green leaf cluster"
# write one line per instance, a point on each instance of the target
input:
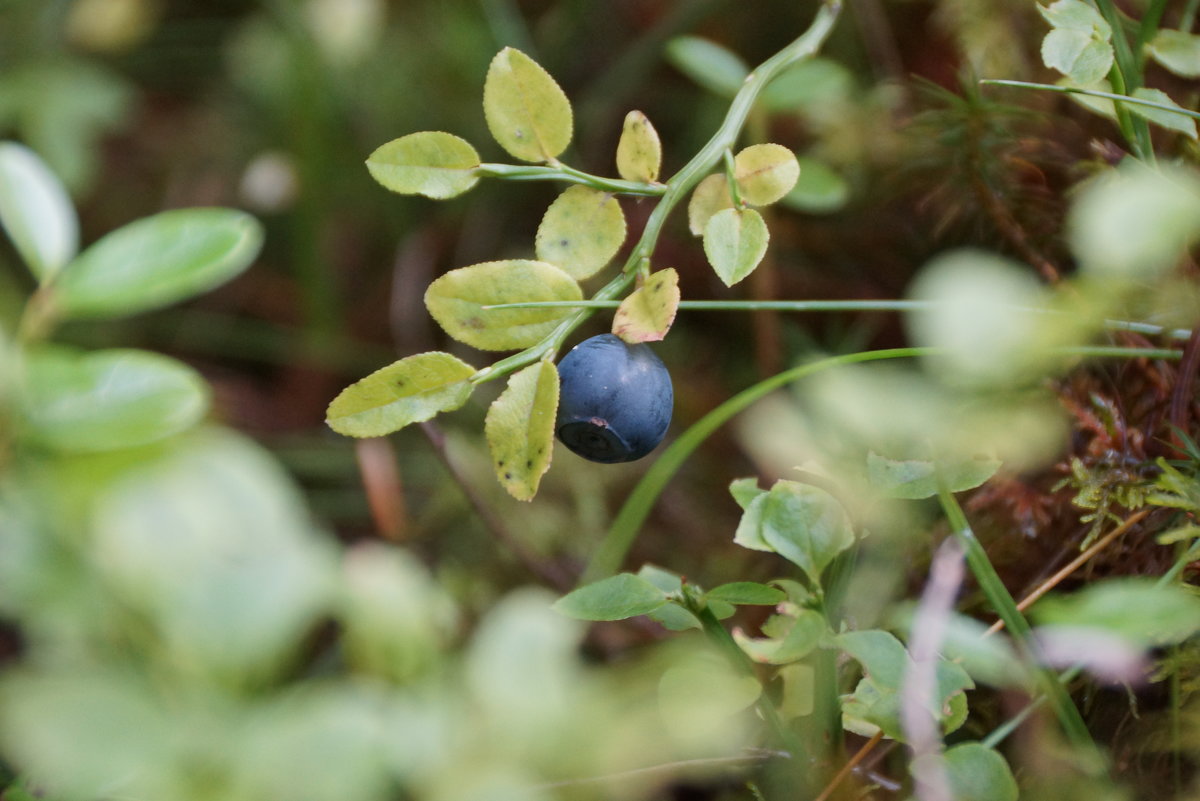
(1079, 43)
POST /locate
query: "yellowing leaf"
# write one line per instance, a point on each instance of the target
(526, 110)
(646, 315)
(520, 429)
(430, 163)
(581, 231)
(735, 241)
(457, 299)
(765, 173)
(411, 390)
(639, 151)
(710, 196)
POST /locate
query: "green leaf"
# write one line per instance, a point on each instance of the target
(1181, 123)
(883, 657)
(581, 231)
(710, 65)
(648, 312)
(818, 190)
(430, 163)
(745, 490)
(665, 580)
(526, 110)
(749, 593)
(639, 151)
(1076, 15)
(735, 241)
(765, 173)
(1177, 51)
(104, 400)
(1078, 54)
(520, 429)
(36, 211)
(1135, 608)
(157, 261)
(710, 196)
(978, 773)
(804, 524)
(915, 479)
(457, 299)
(793, 636)
(814, 86)
(614, 598)
(749, 533)
(411, 390)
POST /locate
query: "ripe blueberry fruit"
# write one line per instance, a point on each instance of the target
(615, 400)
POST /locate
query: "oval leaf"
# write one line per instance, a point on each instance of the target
(581, 231)
(526, 110)
(520, 429)
(1178, 51)
(430, 163)
(614, 598)
(411, 390)
(805, 525)
(765, 173)
(457, 300)
(157, 261)
(109, 399)
(978, 773)
(818, 190)
(1182, 123)
(647, 313)
(716, 68)
(710, 196)
(749, 593)
(735, 241)
(36, 211)
(639, 151)
(915, 479)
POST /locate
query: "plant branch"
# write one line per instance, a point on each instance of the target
(565, 174)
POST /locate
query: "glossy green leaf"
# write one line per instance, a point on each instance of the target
(710, 65)
(157, 261)
(104, 400)
(526, 110)
(430, 163)
(977, 773)
(457, 300)
(765, 173)
(1135, 608)
(818, 190)
(735, 241)
(1177, 51)
(749, 593)
(614, 598)
(411, 390)
(1181, 123)
(804, 524)
(710, 196)
(520, 429)
(581, 231)
(639, 151)
(648, 312)
(36, 211)
(913, 479)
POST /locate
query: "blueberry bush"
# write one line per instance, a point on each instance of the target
(872, 471)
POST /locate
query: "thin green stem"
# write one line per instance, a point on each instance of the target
(1074, 90)
(735, 194)
(1126, 76)
(570, 175)
(1147, 28)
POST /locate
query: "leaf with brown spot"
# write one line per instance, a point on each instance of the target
(647, 314)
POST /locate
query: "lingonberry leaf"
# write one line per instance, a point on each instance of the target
(36, 211)
(710, 196)
(614, 598)
(765, 173)
(411, 390)
(520, 429)
(526, 110)
(735, 241)
(647, 313)
(435, 164)
(157, 261)
(581, 231)
(457, 301)
(639, 151)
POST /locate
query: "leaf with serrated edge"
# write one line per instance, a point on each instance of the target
(36, 210)
(765, 173)
(710, 196)
(520, 429)
(639, 151)
(614, 598)
(526, 110)
(457, 299)
(431, 163)
(581, 231)
(647, 313)
(412, 390)
(735, 241)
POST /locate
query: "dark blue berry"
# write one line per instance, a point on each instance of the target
(615, 401)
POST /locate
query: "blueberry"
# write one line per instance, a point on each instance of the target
(615, 402)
